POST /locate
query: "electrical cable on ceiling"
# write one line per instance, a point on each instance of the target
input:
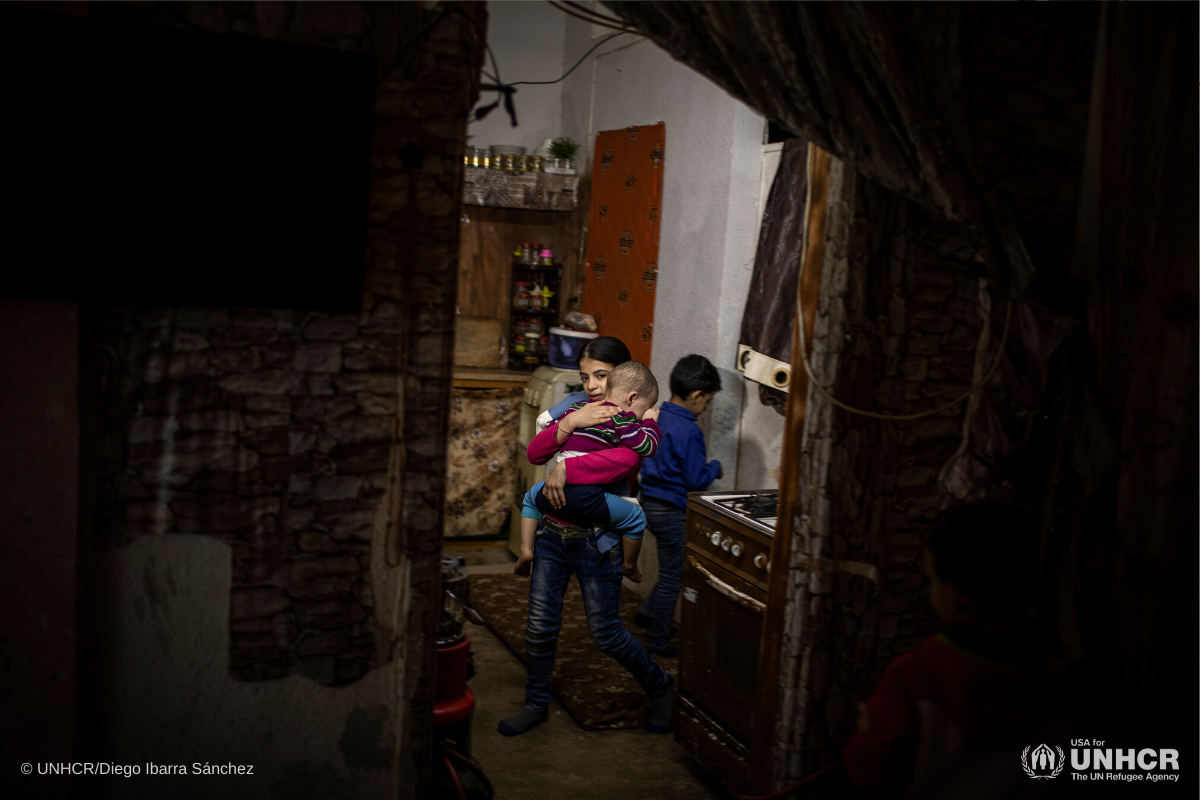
(572, 69)
(505, 90)
(585, 10)
(595, 19)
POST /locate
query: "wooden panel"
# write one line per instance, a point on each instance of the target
(493, 375)
(477, 342)
(485, 257)
(623, 224)
(781, 546)
(469, 384)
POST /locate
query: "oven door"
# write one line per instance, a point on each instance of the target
(720, 630)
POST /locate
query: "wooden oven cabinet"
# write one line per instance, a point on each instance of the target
(724, 603)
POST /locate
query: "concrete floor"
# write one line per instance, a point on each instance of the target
(559, 759)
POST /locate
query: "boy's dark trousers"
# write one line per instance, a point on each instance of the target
(667, 522)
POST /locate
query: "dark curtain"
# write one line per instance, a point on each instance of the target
(875, 84)
(770, 312)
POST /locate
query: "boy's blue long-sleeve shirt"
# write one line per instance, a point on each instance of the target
(679, 466)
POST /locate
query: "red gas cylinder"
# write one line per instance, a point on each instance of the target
(453, 699)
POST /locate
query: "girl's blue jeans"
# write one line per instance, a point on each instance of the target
(555, 559)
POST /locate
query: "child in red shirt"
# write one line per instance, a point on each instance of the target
(952, 718)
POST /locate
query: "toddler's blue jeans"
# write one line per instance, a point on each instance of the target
(555, 559)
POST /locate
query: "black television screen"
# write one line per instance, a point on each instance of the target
(174, 167)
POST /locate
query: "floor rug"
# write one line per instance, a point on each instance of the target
(595, 689)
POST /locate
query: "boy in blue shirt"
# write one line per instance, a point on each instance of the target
(677, 468)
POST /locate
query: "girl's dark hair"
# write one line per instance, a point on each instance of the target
(607, 350)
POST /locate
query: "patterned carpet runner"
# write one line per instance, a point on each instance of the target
(595, 689)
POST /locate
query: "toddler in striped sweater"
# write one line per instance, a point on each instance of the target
(600, 497)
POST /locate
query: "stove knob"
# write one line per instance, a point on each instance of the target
(760, 561)
(726, 542)
(715, 538)
(735, 549)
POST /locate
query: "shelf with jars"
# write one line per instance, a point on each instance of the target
(541, 191)
(534, 308)
(512, 180)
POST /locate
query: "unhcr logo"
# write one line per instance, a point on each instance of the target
(1043, 762)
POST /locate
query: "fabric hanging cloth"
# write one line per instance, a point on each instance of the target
(765, 343)
(879, 85)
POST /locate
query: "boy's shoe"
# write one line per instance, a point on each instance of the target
(662, 707)
(670, 651)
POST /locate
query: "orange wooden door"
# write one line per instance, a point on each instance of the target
(621, 271)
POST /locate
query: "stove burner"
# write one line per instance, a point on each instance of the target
(760, 506)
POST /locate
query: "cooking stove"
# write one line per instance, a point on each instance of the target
(726, 578)
(759, 509)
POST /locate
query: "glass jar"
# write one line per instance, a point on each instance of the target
(534, 326)
(522, 163)
(545, 257)
(535, 297)
(521, 296)
(535, 163)
(533, 345)
(527, 256)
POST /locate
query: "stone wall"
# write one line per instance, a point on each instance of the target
(312, 445)
(896, 334)
(270, 431)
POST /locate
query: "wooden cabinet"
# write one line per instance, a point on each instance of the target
(523, 316)
(488, 237)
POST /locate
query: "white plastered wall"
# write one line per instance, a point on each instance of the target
(710, 217)
(711, 194)
(710, 221)
(526, 37)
